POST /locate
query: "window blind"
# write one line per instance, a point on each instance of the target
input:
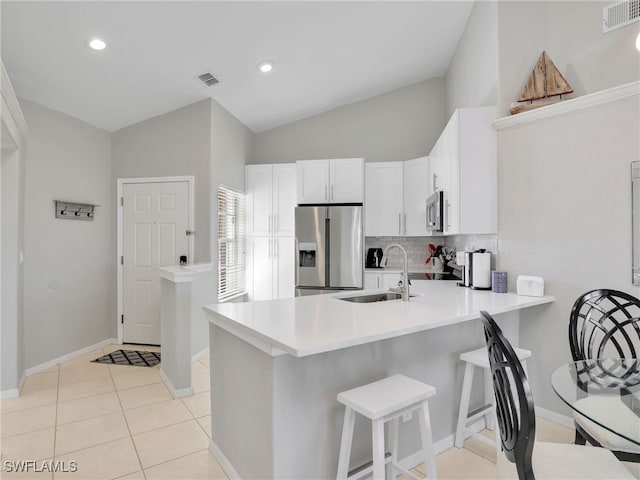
(231, 243)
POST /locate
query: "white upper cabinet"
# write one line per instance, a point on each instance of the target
(416, 191)
(383, 199)
(395, 200)
(271, 199)
(465, 164)
(284, 199)
(259, 190)
(330, 181)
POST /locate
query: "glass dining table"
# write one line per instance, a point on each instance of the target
(604, 391)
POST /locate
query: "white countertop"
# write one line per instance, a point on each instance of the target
(183, 273)
(314, 324)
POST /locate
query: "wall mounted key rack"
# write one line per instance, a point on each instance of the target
(74, 210)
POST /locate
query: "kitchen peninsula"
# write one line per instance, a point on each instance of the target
(277, 366)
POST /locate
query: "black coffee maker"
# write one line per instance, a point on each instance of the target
(374, 258)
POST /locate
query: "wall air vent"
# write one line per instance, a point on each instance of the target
(208, 79)
(620, 14)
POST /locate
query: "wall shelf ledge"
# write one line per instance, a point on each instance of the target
(568, 106)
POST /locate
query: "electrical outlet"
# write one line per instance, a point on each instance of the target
(406, 417)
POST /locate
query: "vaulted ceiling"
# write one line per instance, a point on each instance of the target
(325, 53)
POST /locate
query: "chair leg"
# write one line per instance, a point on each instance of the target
(345, 444)
(393, 443)
(377, 442)
(489, 399)
(464, 404)
(580, 440)
(427, 441)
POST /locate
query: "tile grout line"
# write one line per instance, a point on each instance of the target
(55, 419)
(126, 421)
(177, 458)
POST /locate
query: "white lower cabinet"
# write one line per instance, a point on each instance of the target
(385, 280)
(270, 268)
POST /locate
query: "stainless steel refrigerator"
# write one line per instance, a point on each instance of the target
(329, 249)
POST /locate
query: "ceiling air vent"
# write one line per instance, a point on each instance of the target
(208, 79)
(620, 14)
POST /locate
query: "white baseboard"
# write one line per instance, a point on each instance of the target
(69, 356)
(175, 392)
(14, 392)
(554, 417)
(199, 355)
(223, 461)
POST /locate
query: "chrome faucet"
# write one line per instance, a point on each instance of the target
(404, 289)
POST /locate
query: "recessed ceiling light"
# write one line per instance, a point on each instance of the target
(266, 66)
(97, 44)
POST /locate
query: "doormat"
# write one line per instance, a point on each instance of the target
(130, 357)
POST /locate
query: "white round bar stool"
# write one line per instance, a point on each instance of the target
(386, 401)
(479, 358)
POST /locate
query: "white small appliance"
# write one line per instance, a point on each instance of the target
(481, 271)
(476, 269)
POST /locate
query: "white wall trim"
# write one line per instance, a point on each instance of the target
(175, 392)
(14, 392)
(12, 107)
(202, 353)
(554, 417)
(223, 461)
(567, 106)
(69, 356)
(190, 179)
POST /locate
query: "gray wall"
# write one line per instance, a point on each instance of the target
(571, 33)
(69, 271)
(174, 144)
(230, 147)
(398, 125)
(203, 140)
(472, 77)
(565, 215)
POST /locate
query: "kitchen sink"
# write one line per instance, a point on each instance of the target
(375, 297)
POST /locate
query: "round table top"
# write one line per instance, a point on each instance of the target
(605, 391)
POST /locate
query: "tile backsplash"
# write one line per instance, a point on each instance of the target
(418, 247)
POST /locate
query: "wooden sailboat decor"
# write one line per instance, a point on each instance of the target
(544, 82)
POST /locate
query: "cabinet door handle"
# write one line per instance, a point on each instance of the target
(405, 223)
(435, 187)
(448, 205)
(276, 249)
(326, 192)
(275, 222)
(331, 192)
(399, 223)
(269, 228)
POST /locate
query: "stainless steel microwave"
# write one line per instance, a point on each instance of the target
(435, 211)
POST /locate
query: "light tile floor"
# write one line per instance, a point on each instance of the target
(121, 422)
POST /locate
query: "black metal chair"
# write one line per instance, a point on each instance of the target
(516, 420)
(605, 323)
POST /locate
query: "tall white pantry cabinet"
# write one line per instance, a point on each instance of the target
(270, 202)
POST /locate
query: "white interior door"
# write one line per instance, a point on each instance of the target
(155, 221)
